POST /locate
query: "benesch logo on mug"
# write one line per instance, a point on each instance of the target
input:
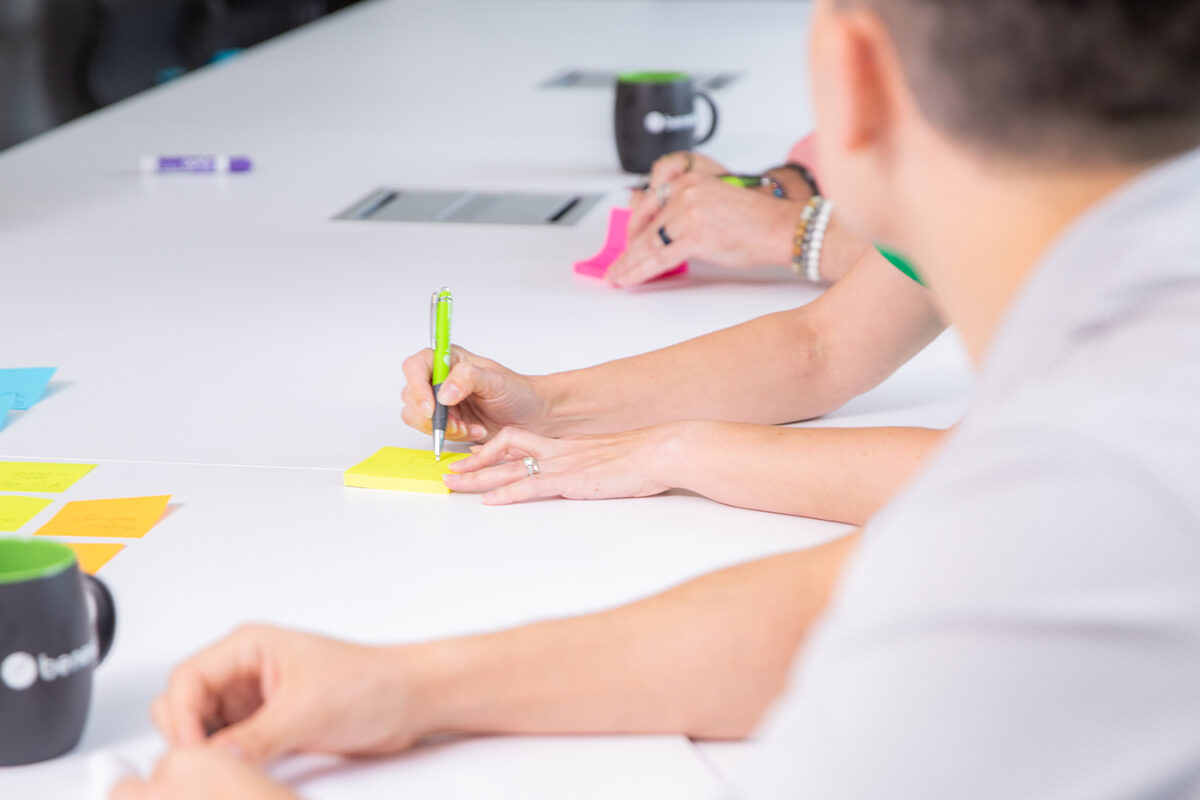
(20, 670)
(656, 122)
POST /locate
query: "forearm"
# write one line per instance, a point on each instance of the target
(704, 659)
(783, 367)
(841, 474)
(767, 370)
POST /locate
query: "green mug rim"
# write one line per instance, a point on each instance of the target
(30, 559)
(653, 76)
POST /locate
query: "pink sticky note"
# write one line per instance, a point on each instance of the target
(618, 239)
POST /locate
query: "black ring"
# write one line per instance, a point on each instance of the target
(662, 234)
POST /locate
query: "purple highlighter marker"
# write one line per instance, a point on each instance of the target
(166, 164)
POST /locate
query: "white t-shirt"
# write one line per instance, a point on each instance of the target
(1024, 621)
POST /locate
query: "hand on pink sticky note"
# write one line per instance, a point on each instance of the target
(618, 239)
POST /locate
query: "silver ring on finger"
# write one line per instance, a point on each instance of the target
(663, 191)
(531, 466)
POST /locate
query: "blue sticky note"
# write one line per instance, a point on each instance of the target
(24, 387)
(5, 407)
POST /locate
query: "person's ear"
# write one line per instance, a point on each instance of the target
(851, 85)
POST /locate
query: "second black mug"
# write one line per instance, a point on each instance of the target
(655, 114)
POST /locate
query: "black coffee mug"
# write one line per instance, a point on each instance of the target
(56, 625)
(655, 115)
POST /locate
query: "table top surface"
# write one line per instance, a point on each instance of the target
(224, 340)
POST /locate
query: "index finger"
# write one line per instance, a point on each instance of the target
(642, 209)
(669, 167)
(418, 369)
(644, 206)
(199, 687)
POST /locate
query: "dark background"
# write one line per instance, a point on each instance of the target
(62, 58)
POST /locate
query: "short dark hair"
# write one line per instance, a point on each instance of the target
(1074, 80)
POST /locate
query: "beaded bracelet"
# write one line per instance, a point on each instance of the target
(806, 217)
(814, 240)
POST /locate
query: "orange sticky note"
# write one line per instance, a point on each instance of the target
(94, 555)
(124, 517)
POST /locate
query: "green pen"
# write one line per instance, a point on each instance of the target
(440, 306)
(745, 181)
(756, 182)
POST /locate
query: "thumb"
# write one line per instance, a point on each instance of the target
(262, 737)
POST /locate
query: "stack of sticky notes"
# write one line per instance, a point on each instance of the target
(21, 388)
(403, 470)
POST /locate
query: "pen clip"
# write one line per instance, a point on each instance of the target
(442, 295)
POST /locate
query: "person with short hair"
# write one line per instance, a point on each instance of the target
(1023, 621)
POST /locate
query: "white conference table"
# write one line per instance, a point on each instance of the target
(223, 340)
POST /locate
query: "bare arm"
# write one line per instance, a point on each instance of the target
(783, 367)
(704, 659)
(842, 474)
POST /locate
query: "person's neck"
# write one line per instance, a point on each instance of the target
(984, 229)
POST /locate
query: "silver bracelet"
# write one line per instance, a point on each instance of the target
(814, 241)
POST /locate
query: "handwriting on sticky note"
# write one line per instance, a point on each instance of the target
(94, 555)
(16, 511)
(123, 517)
(404, 470)
(24, 386)
(40, 476)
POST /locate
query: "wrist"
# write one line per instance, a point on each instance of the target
(436, 679)
(683, 443)
(779, 243)
(567, 406)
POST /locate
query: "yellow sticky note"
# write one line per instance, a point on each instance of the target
(16, 511)
(94, 555)
(403, 470)
(40, 476)
(124, 517)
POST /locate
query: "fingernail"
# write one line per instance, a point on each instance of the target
(449, 394)
(477, 432)
(427, 407)
(451, 477)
